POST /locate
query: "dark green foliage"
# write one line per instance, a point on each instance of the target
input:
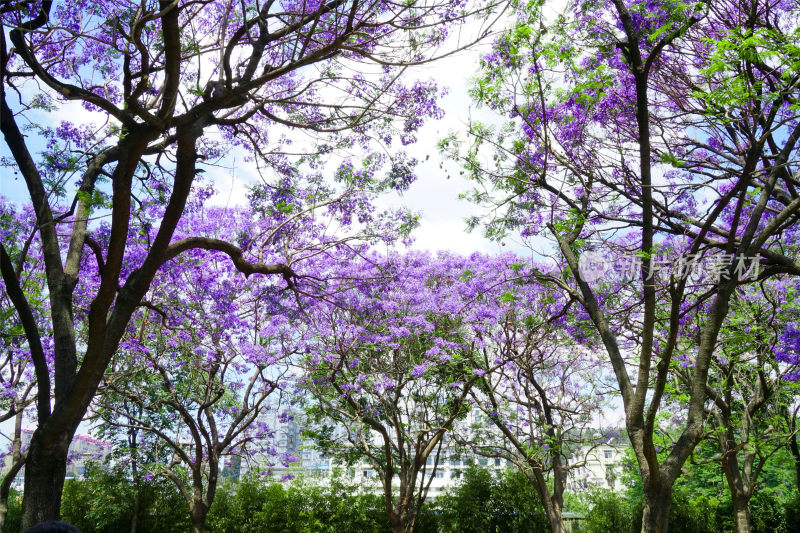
(255, 506)
(622, 513)
(14, 515)
(792, 508)
(104, 503)
(609, 513)
(483, 503)
(768, 514)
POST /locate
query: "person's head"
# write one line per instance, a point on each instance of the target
(53, 527)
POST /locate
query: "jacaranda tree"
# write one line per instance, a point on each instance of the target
(203, 366)
(150, 79)
(17, 379)
(749, 388)
(391, 361)
(540, 391)
(662, 136)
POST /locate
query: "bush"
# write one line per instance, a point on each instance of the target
(792, 508)
(483, 503)
(610, 513)
(104, 503)
(14, 514)
(254, 505)
(768, 514)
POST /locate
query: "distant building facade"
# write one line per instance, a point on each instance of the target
(601, 469)
(82, 449)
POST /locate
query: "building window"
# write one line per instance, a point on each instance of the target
(439, 474)
(497, 461)
(607, 454)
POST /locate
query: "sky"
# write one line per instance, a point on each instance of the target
(435, 193)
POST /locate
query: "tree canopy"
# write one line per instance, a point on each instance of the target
(646, 150)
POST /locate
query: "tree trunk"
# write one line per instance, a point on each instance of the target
(134, 446)
(655, 516)
(796, 456)
(18, 460)
(135, 517)
(737, 486)
(3, 514)
(553, 504)
(45, 470)
(3, 509)
(556, 522)
(741, 513)
(198, 520)
(401, 523)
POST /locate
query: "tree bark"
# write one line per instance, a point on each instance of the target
(132, 442)
(135, 517)
(554, 517)
(17, 462)
(553, 503)
(198, 522)
(796, 456)
(45, 470)
(740, 495)
(3, 513)
(198, 511)
(655, 515)
(741, 513)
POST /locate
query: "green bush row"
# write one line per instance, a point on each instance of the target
(104, 503)
(621, 513)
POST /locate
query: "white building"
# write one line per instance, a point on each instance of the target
(603, 463)
(602, 468)
(82, 449)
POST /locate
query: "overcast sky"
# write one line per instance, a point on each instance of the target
(433, 195)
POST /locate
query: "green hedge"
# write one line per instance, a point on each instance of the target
(255, 506)
(104, 503)
(480, 502)
(622, 513)
(483, 503)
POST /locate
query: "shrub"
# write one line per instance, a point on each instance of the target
(610, 513)
(256, 505)
(483, 503)
(14, 513)
(104, 503)
(768, 514)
